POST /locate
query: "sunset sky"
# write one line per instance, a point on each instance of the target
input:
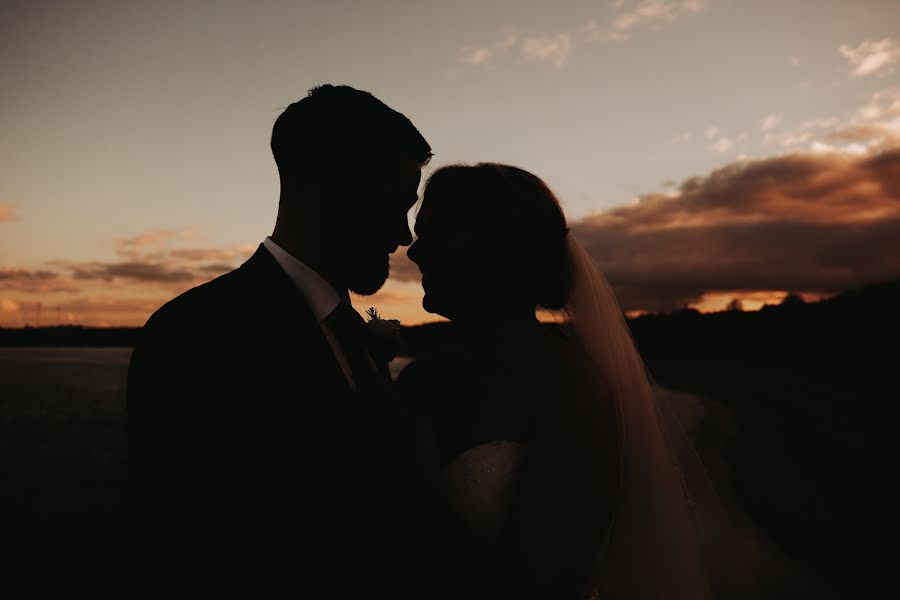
(702, 149)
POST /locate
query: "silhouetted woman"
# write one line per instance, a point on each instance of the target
(551, 448)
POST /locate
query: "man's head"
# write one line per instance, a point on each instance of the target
(350, 168)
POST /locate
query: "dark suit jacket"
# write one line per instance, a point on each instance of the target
(254, 470)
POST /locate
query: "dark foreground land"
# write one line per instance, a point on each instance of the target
(805, 390)
(810, 388)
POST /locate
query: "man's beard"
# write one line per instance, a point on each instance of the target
(367, 277)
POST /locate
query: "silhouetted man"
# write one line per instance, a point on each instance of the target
(264, 455)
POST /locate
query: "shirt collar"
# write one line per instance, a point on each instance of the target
(321, 297)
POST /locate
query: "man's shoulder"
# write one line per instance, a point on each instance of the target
(199, 304)
(252, 298)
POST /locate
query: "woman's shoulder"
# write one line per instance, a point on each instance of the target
(561, 359)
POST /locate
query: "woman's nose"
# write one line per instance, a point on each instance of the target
(405, 234)
(413, 252)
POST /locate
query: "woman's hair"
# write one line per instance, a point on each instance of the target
(526, 217)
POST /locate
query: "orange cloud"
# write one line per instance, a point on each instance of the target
(152, 242)
(397, 300)
(211, 254)
(7, 212)
(122, 292)
(403, 269)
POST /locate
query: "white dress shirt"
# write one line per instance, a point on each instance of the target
(320, 296)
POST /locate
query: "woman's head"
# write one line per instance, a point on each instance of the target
(491, 238)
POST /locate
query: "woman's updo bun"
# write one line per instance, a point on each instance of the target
(541, 234)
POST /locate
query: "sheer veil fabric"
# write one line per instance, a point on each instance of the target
(672, 537)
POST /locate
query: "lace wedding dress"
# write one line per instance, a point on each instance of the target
(478, 485)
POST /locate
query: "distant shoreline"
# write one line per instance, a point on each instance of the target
(871, 308)
(74, 336)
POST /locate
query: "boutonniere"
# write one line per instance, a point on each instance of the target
(384, 336)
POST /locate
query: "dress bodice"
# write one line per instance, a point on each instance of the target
(478, 484)
(516, 446)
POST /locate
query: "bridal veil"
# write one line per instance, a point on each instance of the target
(672, 537)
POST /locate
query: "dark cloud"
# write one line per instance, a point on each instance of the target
(146, 259)
(803, 222)
(18, 274)
(148, 272)
(132, 270)
(214, 270)
(37, 281)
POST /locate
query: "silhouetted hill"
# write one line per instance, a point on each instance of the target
(849, 330)
(797, 332)
(810, 386)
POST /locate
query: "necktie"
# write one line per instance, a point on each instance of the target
(350, 330)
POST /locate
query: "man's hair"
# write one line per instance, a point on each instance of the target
(334, 123)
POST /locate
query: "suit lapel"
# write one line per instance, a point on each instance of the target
(289, 321)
